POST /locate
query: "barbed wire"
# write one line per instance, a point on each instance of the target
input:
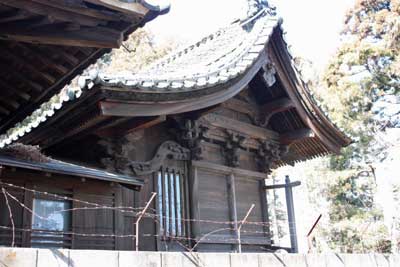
(126, 209)
(164, 237)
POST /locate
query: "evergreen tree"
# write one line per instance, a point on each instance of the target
(365, 72)
(361, 90)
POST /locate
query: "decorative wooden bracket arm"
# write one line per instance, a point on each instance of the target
(230, 150)
(271, 108)
(269, 153)
(168, 149)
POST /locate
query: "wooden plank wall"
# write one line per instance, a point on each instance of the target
(89, 221)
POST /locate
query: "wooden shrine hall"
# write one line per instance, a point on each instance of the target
(202, 127)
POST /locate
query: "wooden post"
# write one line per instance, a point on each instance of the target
(232, 203)
(240, 227)
(140, 217)
(291, 216)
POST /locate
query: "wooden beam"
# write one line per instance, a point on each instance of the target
(21, 78)
(6, 99)
(59, 14)
(132, 9)
(296, 135)
(232, 201)
(41, 56)
(14, 15)
(225, 170)
(241, 106)
(7, 87)
(130, 125)
(278, 186)
(276, 106)
(26, 64)
(271, 108)
(4, 111)
(73, 61)
(238, 126)
(80, 9)
(91, 37)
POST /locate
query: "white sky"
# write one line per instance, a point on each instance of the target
(312, 26)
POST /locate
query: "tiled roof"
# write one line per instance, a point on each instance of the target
(214, 60)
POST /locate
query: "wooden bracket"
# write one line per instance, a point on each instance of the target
(271, 108)
(168, 149)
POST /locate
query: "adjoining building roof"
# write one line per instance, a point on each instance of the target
(64, 168)
(247, 53)
(44, 44)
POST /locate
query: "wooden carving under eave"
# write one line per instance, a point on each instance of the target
(231, 148)
(268, 154)
(191, 134)
(168, 149)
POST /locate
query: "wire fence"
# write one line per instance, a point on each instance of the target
(185, 242)
(137, 212)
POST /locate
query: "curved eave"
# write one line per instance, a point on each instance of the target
(306, 106)
(126, 101)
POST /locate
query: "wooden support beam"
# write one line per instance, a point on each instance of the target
(42, 57)
(296, 135)
(232, 201)
(6, 87)
(132, 9)
(14, 15)
(126, 126)
(73, 61)
(241, 106)
(58, 14)
(278, 105)
(271, 108)
(84, 37)
(80, 9)
(238, 126)
(7, 100)
(278, 186)
(18, 59)
(291, 216)
(4, 111)
(28, 83)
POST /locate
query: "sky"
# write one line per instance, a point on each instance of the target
(312, 26)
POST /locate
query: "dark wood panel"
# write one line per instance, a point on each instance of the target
(213, 200)
(248, 193)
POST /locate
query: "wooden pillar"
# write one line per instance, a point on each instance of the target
(232, 204)
(194, 203)
(27, 216)
(291, 216)
(264, 209)
(118, 217)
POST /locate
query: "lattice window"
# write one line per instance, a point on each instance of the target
(171, 202)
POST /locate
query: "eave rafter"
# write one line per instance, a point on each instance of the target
(307, 109)
(295, 136)
(89, 23)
